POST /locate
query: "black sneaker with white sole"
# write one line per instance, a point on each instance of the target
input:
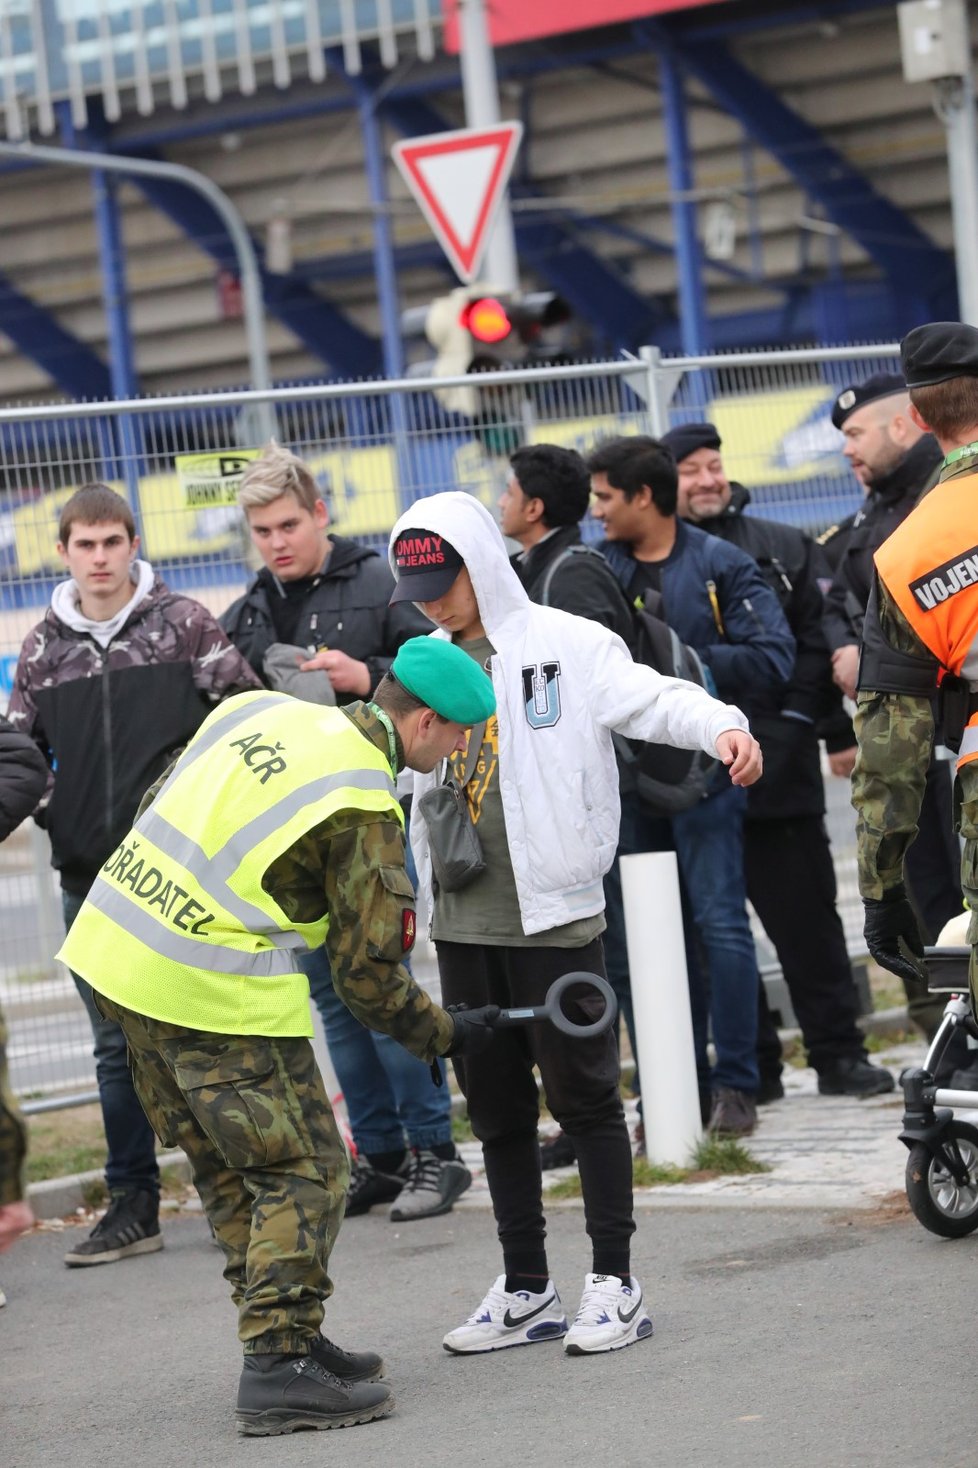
(278, 1394)
(368, 1187)
(130, 1225)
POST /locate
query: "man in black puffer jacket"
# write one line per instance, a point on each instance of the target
(789, 868)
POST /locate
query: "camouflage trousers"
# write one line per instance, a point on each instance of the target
(13, 1133)
(253, 1117)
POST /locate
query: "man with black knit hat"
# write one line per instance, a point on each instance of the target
(788, 861)
(897, 462)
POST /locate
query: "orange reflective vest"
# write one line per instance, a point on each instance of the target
(929, 566)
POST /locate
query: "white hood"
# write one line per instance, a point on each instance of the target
(470, 528)
(66, 607)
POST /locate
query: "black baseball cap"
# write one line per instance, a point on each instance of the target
(939, 351)
(426, 566)
(880, 385)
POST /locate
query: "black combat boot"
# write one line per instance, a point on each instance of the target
(278, 1394)
(347, 1365)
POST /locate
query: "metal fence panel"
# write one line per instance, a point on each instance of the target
(374, 448)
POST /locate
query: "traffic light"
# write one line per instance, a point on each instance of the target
(477, 329)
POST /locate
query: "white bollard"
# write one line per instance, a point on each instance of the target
(660, 1000)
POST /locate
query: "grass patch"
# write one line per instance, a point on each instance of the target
(714, 1157)
(875, 1044)
(462, 1128)
(724, 1156)
(61, 1143)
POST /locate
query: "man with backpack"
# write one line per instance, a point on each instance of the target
(714, 598)
(790, 873)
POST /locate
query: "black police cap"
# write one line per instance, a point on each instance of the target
(939, 351)
(688, 437)
(880, 385)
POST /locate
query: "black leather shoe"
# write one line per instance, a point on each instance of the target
(278, 1394)
(558, 1151)
(854, 1076)
(966, 1077)
(769, 1090)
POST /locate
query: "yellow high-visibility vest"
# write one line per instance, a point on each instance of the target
(177, 924)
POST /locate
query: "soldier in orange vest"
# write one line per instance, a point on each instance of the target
(921, 636)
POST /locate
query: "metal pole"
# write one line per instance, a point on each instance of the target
(656, 401)
(481, 94)
(115, 295)
(957, 97)
(666, 1059)
(383, 243)
(689, 262)
(251, 290)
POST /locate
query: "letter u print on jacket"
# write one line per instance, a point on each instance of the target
(541, 694)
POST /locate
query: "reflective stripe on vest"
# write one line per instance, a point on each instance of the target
(177, 924)
(929, 566)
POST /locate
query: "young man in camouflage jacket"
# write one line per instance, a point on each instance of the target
(111, 683)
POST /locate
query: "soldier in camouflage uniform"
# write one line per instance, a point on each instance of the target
(23, 776)
(249, 1108)
(900, 670)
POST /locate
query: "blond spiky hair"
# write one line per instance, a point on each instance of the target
(275, 472)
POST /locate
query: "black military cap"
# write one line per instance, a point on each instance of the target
(880, 385)
(939, 351)
(688, 437)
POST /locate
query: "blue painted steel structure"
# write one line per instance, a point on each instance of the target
(917, 276)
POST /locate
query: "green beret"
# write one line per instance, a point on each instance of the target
(446, 679)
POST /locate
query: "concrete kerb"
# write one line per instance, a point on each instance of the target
(822, 1152)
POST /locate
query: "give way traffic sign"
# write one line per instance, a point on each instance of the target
(458, 179)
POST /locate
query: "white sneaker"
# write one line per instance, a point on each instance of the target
(611, 1315)
(509, 1318)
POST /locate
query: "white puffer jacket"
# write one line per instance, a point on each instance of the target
(562, 683)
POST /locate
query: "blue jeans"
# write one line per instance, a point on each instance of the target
(131, 1162)
(710, 846)
(388, 1092)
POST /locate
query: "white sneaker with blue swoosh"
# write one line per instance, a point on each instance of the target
(509, 1318)
(611, 1315)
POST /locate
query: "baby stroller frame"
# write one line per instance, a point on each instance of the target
(942, 1169)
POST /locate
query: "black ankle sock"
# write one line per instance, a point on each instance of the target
(535, 1283)
(444, 1151)
(387, 1162)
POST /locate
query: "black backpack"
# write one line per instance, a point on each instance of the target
(667, 780)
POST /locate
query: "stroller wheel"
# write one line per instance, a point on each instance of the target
(943, 1203)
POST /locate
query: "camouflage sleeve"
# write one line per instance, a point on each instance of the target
(895, 733)
(371, 906)
(13, 1134)
(219, 670)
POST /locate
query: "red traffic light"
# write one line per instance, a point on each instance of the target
(486, 319)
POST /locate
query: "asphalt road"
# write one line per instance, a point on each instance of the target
(802, 1338)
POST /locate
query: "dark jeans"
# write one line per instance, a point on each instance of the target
(131, 1163)
(580, 1081)
(791, 882)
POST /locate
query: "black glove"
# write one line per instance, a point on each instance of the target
(473, 1028)
(892, 935)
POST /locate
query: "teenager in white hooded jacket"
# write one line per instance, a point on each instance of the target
(541, 785)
